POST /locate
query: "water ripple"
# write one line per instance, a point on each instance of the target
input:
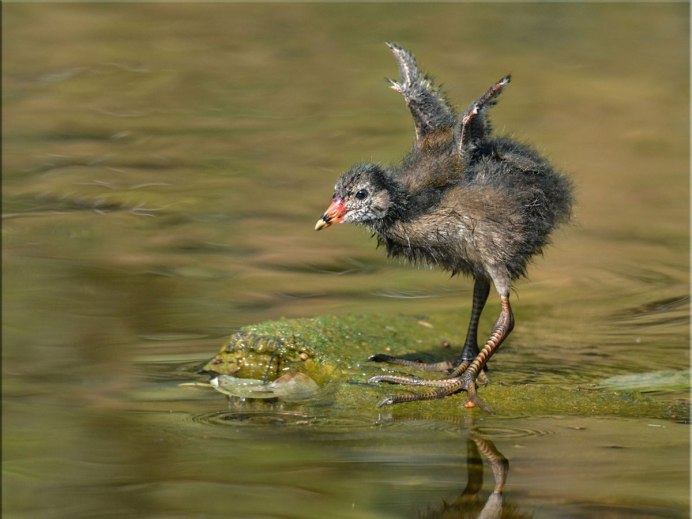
(255, 418)
(654, 307)
(495, 432)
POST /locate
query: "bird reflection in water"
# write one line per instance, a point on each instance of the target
(470, 503)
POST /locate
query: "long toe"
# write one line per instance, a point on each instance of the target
(387, 401)
(468, 383)
(482, 379)
(381, 357)
(417, 364)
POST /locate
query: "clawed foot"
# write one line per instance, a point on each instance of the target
(425, 366)
(470, 385)
(465, 374)
(466, 381)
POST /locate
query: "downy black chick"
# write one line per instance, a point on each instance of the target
(461, 200)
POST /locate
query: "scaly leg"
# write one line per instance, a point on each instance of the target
(481, 289)
(466, 380)
(502, 328)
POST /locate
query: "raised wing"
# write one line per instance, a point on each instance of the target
(473, 126)
(432, 115)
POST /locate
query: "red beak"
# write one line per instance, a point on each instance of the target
(334, 214)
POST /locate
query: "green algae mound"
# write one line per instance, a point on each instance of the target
(333, 351)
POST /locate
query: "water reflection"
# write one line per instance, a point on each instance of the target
(419, 466)
(481, 451)
(470, 503)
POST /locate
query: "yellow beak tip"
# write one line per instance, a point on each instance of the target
(321, 224)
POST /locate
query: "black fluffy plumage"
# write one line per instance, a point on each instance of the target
(461, 200)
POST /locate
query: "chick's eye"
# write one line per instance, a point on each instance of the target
(362, 194)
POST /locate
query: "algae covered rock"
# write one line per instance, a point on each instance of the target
(268, 366)
(251, 356)
(323, 350)
(286, 359)
(321, 347)
(297, 359)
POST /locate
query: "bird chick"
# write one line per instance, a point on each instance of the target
(461, 200)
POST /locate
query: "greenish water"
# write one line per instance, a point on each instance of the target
(163, 167)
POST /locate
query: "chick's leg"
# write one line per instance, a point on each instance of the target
(481, 289)
(502, 328)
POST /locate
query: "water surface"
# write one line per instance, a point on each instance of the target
(163, 166)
